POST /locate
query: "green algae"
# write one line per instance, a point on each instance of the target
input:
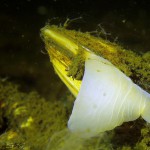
(144, 144)
(76, 68)
(29, 122)
(32, 119)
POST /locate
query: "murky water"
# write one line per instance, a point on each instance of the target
(35, 104)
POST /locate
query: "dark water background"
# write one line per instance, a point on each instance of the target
(22, 57)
